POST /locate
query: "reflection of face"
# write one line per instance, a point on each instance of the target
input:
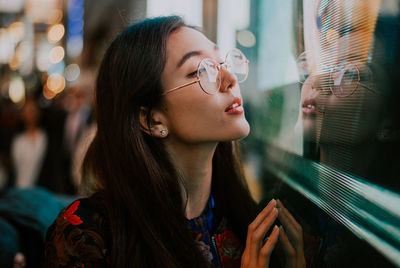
(340, 120)
(345, 38)
(194, 116)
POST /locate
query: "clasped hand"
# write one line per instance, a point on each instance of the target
(288, 238)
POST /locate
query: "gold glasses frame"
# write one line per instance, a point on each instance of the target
(219, 66)
(333, 87)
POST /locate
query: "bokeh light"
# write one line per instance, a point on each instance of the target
(6, 46)
(56, 54)
(17, 31)
(246, 38)
(56, 83)
(16, 90)
(72, 72)
(55, 33)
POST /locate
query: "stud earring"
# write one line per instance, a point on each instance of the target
(163, 132)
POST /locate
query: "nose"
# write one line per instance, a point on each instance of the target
(318, 82)
(228, 79)
(309, 88)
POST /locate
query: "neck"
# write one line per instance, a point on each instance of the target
(195, 164)
(31, 129)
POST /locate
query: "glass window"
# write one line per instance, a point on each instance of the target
(322, 102)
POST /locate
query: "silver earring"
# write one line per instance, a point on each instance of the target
(163, 132)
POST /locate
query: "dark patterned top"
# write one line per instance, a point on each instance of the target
(80, 237)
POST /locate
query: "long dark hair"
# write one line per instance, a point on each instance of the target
(141, 187)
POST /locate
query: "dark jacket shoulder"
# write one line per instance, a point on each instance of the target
(79, 235)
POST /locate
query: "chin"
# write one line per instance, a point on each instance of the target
(241, 132)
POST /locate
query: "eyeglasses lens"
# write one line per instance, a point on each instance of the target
(209, 71)
(209, 77)
(345, 81)
(237, 65)
(303, 67)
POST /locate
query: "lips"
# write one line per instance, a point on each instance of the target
(309, 106)
(235, 107)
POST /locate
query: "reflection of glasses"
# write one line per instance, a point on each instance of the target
(343, 80)
(346, 79)
(209, 75)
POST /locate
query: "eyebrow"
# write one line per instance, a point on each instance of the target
(189, 55)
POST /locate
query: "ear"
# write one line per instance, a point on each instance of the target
(152, 122)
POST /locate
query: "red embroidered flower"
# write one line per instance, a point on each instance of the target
(68, 215)
(229, 249)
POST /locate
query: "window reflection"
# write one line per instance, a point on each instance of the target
(345, 100)
(331, 141)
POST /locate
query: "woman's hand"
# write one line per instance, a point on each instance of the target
(291, 239)
(258, 251)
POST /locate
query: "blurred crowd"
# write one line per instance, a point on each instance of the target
(42, 145)
(41, 141)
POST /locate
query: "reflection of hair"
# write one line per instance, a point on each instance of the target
(140, 184)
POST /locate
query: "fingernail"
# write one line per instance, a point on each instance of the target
(272, 202)
(276, 228)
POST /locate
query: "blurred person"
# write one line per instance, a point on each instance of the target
(9, 128)
(65, 120)
(78, 116)
(163, 170)
(29, 148)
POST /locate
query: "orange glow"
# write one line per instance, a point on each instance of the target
(47, 93)
(14, 63)
(55, 33)
(55, 16)
(55, 83)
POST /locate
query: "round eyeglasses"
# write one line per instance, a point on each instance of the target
(341, 80)
(209, 75)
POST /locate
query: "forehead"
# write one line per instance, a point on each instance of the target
(185, 40)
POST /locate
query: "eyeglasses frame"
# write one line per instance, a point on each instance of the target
(219, 66)
(354, 90)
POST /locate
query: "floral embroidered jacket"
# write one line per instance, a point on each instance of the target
(80, 237)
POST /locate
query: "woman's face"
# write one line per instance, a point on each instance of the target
(328, 118)
(192, 116)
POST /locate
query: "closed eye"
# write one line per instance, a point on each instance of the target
(192, 74)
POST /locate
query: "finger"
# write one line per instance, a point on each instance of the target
(257, 237)
(266, 250)
(291, 219)
(259, 219)
(292, 228)
(286, 245)
(264, 213)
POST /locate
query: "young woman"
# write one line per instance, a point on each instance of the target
(164, 165)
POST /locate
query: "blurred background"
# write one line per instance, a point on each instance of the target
(321, 99)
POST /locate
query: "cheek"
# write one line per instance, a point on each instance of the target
(204, 119)
(188, 115)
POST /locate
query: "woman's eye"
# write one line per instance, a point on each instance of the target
(192, 74)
